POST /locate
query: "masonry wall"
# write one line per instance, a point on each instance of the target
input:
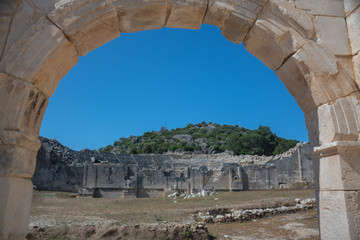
(115, 175)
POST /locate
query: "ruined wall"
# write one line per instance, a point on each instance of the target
(119, 175)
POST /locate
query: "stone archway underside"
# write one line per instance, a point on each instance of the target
(312, 45)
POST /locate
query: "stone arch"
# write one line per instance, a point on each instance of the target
(312, 45)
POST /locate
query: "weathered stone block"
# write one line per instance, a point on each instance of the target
(279, 32)
(4, 30)
(42, 55)
(23, 18)
(350, 5)
(353, 21)
(318, 59)
(88, 23)
(339, 168)
(338, 214)
(339, 120)
(15, 199)
(7, 7)
(187, 14)
(346, 63)
(323, 7)
(312, 126)
(291, 74)
(332, 32)
(314, 76)
(139, 15)
(22, 106)
(217, 12)
(46, 6)
(18, 154)
(240, 18)
(356, 62)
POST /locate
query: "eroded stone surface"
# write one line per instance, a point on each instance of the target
(323, 7)
(24, 17)
(339, 121)
(338, 166)
(241, 17)
(234, 17)
(139, 15)
(187, 14)
(7, 7)
(332, 209)
(350, 5)
(4, 30)
(278, 33)
(15, 199)
(22, 106)
(356, 62)
(89, 24)
(18, 153)
(314, 76)
(42, 55)
(332, 32)
(217, 12)
(353, 21)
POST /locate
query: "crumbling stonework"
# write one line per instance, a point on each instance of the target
(121, 175)
(313, 47)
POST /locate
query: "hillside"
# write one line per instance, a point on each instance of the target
(208, 138)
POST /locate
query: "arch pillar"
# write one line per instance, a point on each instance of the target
(17, 164)
(339, 189)
(22, 106)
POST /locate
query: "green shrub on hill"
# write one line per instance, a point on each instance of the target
(204, 138)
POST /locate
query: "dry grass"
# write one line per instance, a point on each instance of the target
(63, 208)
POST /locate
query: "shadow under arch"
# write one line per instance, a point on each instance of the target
(43, 40)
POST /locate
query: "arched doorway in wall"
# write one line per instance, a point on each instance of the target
(42, 42)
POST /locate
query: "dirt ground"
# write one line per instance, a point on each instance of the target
(301, 225)
(52, 210)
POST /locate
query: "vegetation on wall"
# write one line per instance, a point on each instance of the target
(204, 138)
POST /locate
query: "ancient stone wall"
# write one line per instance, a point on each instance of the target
(109, 174)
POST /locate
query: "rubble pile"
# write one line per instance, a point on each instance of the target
(249, 214)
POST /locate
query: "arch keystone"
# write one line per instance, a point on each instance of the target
(139, 15)
(187, 14)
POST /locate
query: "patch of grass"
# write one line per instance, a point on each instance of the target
(158, 218)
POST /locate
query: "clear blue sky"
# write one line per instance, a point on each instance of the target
(168, 77)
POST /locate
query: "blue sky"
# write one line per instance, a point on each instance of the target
(167, 77)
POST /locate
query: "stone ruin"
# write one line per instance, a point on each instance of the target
(312, 46)
(102, 174)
